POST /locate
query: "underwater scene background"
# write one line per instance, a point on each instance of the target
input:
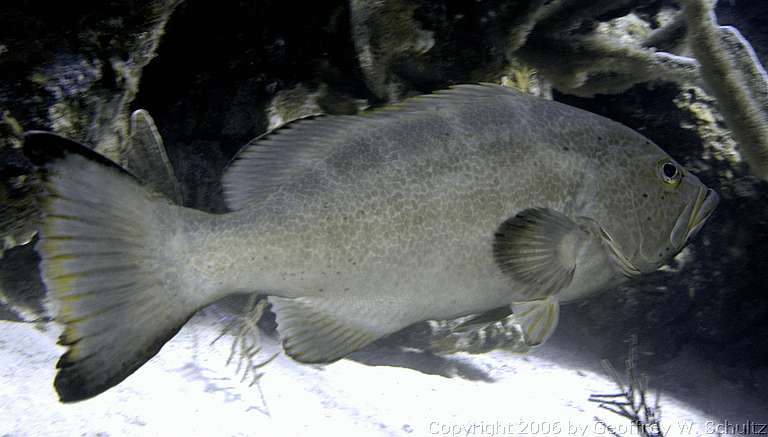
(211, 76)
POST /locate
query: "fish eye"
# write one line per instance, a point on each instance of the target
(670, 172)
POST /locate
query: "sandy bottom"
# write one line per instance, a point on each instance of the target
(188, 390)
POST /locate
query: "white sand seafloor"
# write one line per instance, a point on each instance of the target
(188, 390)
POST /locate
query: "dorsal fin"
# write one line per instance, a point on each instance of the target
(265, 163)
(269, 161)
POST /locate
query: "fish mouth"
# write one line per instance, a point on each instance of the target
(705, 205)
(693, 217)
(697, 214)
(702, 208)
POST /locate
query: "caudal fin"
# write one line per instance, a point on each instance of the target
(108, 271)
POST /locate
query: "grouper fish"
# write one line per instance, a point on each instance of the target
(449, 204)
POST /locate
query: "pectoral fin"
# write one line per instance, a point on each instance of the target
(538, 319)
(539, 248)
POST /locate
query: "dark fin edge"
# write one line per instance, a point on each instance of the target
(73, 386)
(43, 148)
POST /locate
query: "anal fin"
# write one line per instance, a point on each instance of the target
(313, 332)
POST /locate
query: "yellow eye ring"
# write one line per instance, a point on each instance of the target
(669, 172)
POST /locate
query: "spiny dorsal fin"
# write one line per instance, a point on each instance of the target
(269, 161)
(313, 332)
(538, 248)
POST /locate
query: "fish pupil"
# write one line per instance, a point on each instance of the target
(670, 170)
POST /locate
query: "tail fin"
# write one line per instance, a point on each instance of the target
(108, 273)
